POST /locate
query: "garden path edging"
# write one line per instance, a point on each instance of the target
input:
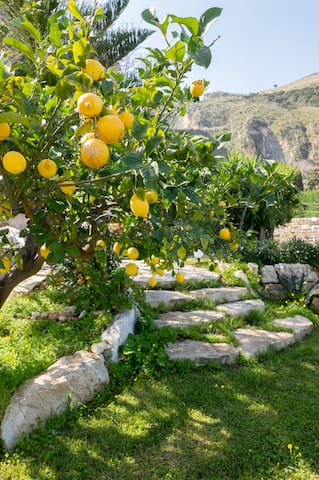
(69, 382)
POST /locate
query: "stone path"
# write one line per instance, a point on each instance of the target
(225, 301)
(228, 301)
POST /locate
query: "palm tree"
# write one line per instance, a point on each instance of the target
(111, 44)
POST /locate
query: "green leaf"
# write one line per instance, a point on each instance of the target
(170, 193)
(149, 16)
(106, 87)
(133, 160)
(21, 47)
(191, 23)
(191, 195)
(73, 9)
(202, 57)
(176, 52)
(29, 27)
(14, 117)
(149, 173)
(154, 142)
(208, 18)
(55, 35)
(139, 129)
(57, 251)
(63, 89)
(79, 49)
(72, 251)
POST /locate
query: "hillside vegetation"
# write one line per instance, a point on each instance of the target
(280, 124)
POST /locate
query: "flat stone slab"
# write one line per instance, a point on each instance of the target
(186, 319)
(194, 274)
(169, 298)
(253, 341)
(202, 352)
(241, 308)
(220, 294)
(301, 326)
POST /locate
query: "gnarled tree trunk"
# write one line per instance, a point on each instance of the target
(31, 264)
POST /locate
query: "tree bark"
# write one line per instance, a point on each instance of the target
(31, 264)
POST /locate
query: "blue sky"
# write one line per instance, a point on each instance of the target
(263, 42)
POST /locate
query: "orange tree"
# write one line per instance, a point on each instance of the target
(89, 155)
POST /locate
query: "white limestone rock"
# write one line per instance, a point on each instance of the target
(202, 352)
(72, 379)
(301, 326)
(253, 342)
(117, 333)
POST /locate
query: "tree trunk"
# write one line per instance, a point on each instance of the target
(31, 264)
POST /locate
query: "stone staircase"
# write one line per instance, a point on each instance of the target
(226, 302)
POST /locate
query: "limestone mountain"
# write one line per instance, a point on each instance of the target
(280, 124)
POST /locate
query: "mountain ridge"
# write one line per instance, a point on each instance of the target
(280, 124)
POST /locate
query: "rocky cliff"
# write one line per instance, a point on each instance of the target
(280, 124)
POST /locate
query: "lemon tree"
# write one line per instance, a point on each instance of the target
(90, 154)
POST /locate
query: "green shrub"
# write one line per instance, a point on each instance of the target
(269, 252)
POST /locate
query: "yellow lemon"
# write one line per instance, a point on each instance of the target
(110, 129)
(151, 196)
(89, 105)
(127, 118)
(100, 244)
(225, 234)
(211, 213)
(133, 253)
(4, 131)
(154, 260)
(222, 204)
(131, 269)
(94, 153)
(44, 251)
(159, 271)
(47, 168)
(181, 252)
(233, 246)
(14, 162)
(6, 265)
(117, 248)
(197, 88)
(152, 282)
(67, 187)
(180, 278)
(139, 207)
(94, 69)
(87, 137)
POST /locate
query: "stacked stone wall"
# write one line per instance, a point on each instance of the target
(303, 228)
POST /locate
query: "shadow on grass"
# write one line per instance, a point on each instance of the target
(209, 423)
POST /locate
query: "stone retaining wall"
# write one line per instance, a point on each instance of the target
(303, 228)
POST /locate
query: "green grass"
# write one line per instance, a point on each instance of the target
(208, 423)
(310, 202)
(29, 346)
(162, 420)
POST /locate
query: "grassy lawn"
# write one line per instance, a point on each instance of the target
(310, 202)
(181, 422)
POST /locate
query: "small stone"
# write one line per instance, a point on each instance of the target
(53, 315)
(101, 348)
(63, 318)
(269, 275)
(98, 312)
(82, 314)
(35, 315)
(44, 314)
(69, 311)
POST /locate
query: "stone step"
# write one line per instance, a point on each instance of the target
(220, 294)
(252, 342)
(186, 319)
(301, 326)
(192, 273)
(169, 298)
(241, 308)
(202, 352)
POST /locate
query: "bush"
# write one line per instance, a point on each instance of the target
(269, 252)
